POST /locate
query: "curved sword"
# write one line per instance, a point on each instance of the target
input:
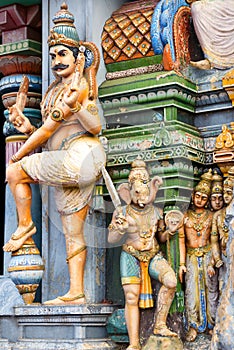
(112, 190)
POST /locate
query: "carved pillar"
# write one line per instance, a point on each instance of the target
(228, 84)
(20, 55)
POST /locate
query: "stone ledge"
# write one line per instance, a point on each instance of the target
(39, 326)
(53, 310)
(32, 344)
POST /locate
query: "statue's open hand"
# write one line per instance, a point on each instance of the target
(78, 89)
(19, 120)
(72, 96)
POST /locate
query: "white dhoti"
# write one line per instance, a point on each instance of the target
(73, 170)
(214, 25)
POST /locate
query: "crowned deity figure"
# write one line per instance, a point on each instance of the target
(220, 230)
(201, 283)
(72, 157)
(216, 197)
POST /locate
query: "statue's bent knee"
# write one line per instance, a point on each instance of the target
(9, 173)
(169, 280)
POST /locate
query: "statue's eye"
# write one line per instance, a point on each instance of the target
(144, 182)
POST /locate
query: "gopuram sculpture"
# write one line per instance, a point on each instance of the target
(201, 280)
(220, 230)
(138, 224)
(222, 337)
(73, 154)
(216, 197)
(209, 16)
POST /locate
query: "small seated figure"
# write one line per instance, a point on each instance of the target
(137, 226)
(224, 140)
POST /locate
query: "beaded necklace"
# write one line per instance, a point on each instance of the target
(146, 230)
(198, 220)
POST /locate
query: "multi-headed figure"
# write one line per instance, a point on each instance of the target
(220, 230)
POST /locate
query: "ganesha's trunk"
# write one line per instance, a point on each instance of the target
(153, 189)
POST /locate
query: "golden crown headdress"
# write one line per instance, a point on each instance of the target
(64, 31)
(204, 185)
(229, 181)
(217, 183)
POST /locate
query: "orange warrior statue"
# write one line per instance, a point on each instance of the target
(138, 224)
(74, 156)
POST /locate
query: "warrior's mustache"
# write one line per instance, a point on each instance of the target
(60, 66)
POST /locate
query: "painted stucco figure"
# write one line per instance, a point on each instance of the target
(201, 280)
(214, 27)
(222, 337)
(138, 225)
(216, 196)
(74, 154)
(220, 230)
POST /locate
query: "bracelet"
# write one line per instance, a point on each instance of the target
(92, 109)
(57, 114)
(33, 129)
(182, 264)
(76, 108)
(15, 159)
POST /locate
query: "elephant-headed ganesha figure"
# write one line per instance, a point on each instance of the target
(141, 226)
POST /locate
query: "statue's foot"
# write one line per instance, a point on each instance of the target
(67, 300)
(19, 237)
(164, 331)
(210, 332)
(133, 347)
(191, 335)
(203, 64)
